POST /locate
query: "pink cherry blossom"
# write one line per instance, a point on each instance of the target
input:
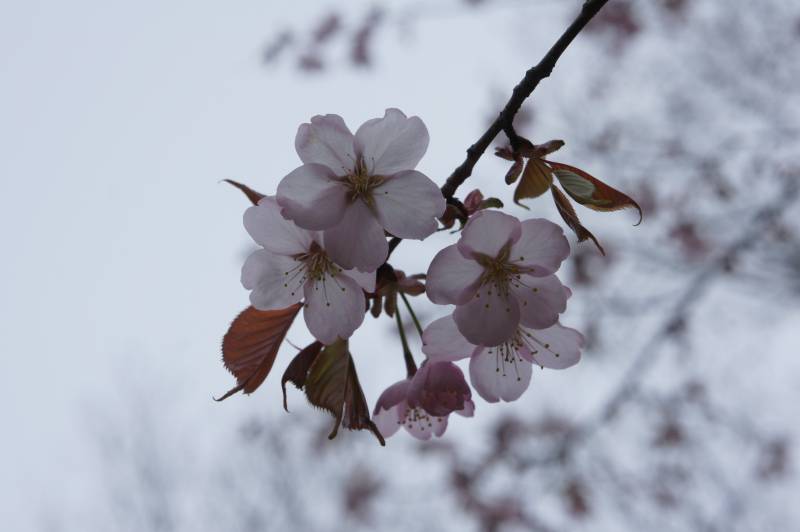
(440, 386)
(293, 266)
(355, 187)
(500, 274)
(503, 372)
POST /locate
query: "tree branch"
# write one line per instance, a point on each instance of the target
(521, 92)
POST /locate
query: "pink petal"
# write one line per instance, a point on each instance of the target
(490, 318)
(387, 421)
(328, 141)
(391, 144)
(274, 232)
(408, 204)
(439, 388)
(451, 278)
(358, 240)
(273, 279)
(496, 378)
(393, 395)
(365, 280)
(468, 410)
(311, 197)
(422, 425)
(557, 347)
(487, 232)
(541, 300)
(442, 341)
(542, 247)
(334, 307)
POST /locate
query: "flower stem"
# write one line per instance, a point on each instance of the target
(411, 366)
(413, 316)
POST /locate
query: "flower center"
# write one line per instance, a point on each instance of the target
(313, 267)
(419, 417)
(507, 354)
(360, 183)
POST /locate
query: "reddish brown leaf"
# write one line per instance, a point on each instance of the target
(332, 385)
(536, 179)
(567, 212)
(537, 151)
(514, 172)
(590, 191)
(251, 344)
(297, 370)
(251, 194)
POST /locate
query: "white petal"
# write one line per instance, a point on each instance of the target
(497, 377)
(442, 341)
(388, 421)
(556, 347)
(276, 281)
(274, 232)
(542, 247)
(451, 278)
(334, 307)
(490, 318)
(408, 204)
(311, 197)
(391, 144)
(541, 300)
(328, 141)
(365, 280)
(487, 232)
(358, 240)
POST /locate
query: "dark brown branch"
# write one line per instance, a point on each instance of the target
(521, 92)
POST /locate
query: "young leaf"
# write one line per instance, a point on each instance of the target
(251, 194)
(537, 151)
(332, 384)
(567, 212)
(590, 191)
(297, 370)
(536, 179)
(251, 344)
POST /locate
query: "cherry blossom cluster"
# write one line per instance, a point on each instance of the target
(323, 245)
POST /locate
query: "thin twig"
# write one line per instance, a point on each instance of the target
(411, 366)
(413, 315)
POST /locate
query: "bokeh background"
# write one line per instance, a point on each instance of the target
(122, 249)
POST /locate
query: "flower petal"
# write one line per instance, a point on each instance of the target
(326, 140)
(487, 232)
(358, 240)
(274, 232)
(442, 341)
(365, 280)
(388, 421)
(311, 197)
(468, 410)
(451, 278)
(496, 378)
(556, 347)
(541, 300)
(275, 280)
(439, 388)
(542, 247)
(490, 318)
(391, 144)
(408, 204)
(334, 307)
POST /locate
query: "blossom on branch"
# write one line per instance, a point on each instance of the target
(503, 372)
(355, 187)
(500, 274)
(294, 265)
(422, 404)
